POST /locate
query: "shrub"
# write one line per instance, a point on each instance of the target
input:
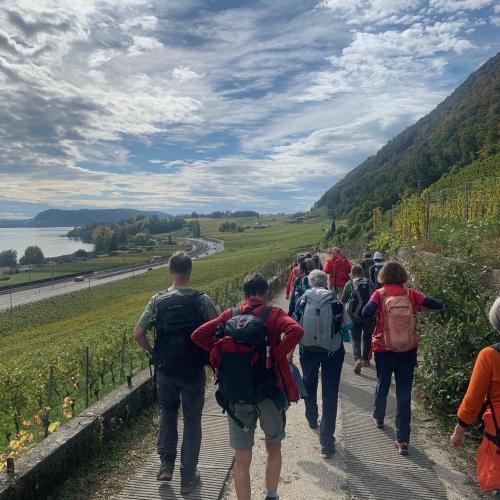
(452, 338)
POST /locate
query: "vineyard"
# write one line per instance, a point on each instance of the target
(45, 374)
(416, 215)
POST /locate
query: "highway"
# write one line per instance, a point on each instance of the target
(202, 247)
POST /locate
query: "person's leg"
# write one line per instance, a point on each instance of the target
(309, 361)
(403, 375)
(384, 362)
(356, 331)
(193, 399)
(168, 396)
(242, 461)
(368, 328)
(273, 465)
(331, 368)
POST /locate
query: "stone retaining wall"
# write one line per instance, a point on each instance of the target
(40, 470)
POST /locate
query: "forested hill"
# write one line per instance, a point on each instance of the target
(464, 128)
(53, 217)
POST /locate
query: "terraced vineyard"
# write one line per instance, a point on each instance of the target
(55, 332)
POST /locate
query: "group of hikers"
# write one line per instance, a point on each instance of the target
(251, 350)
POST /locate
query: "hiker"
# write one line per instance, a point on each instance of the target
(317, 261)
(338, 267)
(483, 399)
(395, 344)
(271, 391)
(295, 273)
(375, 269)
(179, 366)
(300, 284)
(355, 296)
(319, 312)
(366, 263)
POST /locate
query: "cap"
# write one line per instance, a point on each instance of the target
(377, 255)
(301, 259)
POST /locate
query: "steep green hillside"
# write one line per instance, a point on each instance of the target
(465, 127)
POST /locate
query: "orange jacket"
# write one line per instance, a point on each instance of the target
(485, 380)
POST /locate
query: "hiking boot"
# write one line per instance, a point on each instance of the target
(402, 447)
(358, 365)
(313, 425)
(328, 451)
(379, 423)
(366, 363)
(165, 472)
(188, 486)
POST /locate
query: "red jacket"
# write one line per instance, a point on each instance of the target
(338, 267)
(294, 274)
(277, 322)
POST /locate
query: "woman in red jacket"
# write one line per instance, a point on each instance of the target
(484, 383)
(388, 361)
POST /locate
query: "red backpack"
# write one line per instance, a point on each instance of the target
(398, 316)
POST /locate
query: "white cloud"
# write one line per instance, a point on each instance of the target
(142, 44)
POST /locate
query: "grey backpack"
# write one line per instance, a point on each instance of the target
(320, 314)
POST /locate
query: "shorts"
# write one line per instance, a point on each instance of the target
(271, 421)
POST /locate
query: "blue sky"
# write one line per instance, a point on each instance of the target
(211, 105)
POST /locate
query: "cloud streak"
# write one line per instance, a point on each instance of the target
(205, 108)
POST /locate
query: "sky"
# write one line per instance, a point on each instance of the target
(203, 105)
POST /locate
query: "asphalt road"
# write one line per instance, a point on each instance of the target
(201, 248)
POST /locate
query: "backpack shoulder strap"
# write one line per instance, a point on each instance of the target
(264, 313)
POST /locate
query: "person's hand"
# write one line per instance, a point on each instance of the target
(457, 438)
(287, 297)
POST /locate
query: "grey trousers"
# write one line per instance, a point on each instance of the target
(171, 392)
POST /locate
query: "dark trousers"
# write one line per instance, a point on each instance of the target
(331, 368)
(402, 364)
(170, 392)
(366, 330)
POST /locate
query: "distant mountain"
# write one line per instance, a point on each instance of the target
(72, 218)
(464, 128)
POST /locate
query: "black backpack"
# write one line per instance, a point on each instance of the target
(376, 269)
(241, 344)
(300, 284)
(362, 290)
(178, 314)
(366, 264)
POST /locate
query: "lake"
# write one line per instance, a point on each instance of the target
(51, 240)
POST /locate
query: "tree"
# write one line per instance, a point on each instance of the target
(332, 227)
(8, 258)
(32, 255)
(102, 237)
(81, 253)
(140, 239)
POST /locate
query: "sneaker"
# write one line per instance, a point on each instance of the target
(402, 447)
(188, 487)
(313, 425)
(366, 363)
(272, 498)
(328, 451)
(358, 365)
(165, 472)
(379, 423)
